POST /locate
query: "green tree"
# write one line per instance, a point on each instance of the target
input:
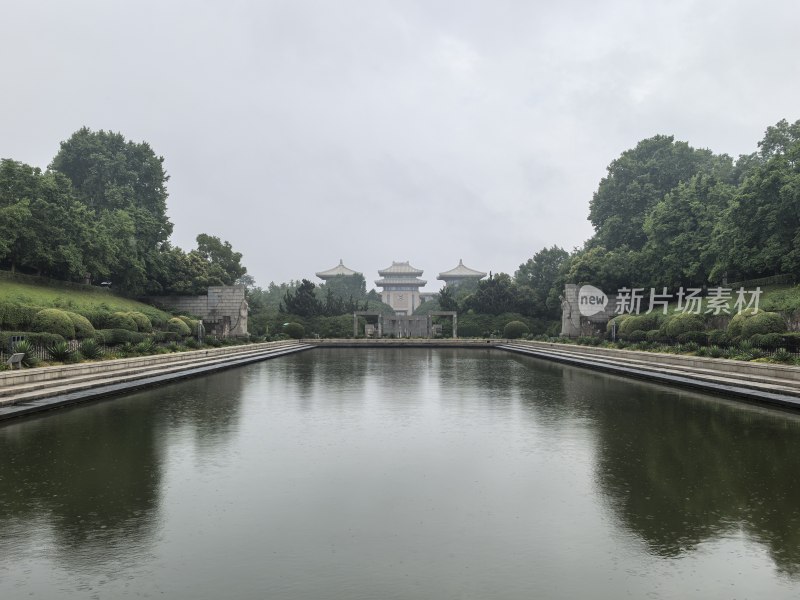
(679, 250)
(540, 278)
(495, 295)
(112, 175)
(303, 301)
(224, 264)
(637, 180)
(759, 233)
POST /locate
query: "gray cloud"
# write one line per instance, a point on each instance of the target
(304, 132)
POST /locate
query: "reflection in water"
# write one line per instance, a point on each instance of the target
(679, 468)
(400, 473)
(91, 475)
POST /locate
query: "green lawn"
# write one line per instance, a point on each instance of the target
(74, 298)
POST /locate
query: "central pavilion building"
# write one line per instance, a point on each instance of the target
(401, 283)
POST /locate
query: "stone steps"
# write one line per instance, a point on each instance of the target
(751, 384)
(129, 371)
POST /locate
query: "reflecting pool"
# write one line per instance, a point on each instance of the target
(402, 473)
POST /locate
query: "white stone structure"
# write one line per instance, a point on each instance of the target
(223, 310)
(401, 283)
(460, 274)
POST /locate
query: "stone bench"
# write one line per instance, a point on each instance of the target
(16, 359)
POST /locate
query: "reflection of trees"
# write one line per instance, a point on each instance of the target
(679, 468)
(210, 406)
(91, 473)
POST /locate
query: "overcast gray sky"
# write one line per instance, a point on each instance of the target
(377, 130)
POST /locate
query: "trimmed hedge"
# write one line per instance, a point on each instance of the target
(637, 335)
(770, 341)
(696, 337)
(54, 320)
(192, 323)
(121, 320)
(618, 320)
(737, 321)
(14, 315)
(515, 330)
(35, 338)
(177, 325)
(654, 335)
(115, 337)
(166, 336)
(763, 323)
(83, 327)
(638, 323)
(682, 323)
(142, 321)
(719, 337)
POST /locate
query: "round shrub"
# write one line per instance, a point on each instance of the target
(616, 321)
(636, 336)
(763, 322)
(176, 325)
(16, 316)
(121, 320)
(769, 341)
(719, 337)
(36, 339)
(83, 327)
(294, 330)
(143, 323)
(515, 330)
(654, 335)
(737, 321)
(682, 323)
(637, 323)
(791, 341)
(114, 337)
(54, 320)
(192, 323)
(693, 337)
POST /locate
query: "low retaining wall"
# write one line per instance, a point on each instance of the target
(404, 343)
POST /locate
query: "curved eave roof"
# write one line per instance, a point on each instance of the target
(400, 281)
(339, 269)
(400, 268)
(461, 272)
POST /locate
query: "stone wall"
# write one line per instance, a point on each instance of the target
(574, 324)
(223, 310)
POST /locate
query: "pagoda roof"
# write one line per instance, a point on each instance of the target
(461, 272)
(339, 269)
(402, 269)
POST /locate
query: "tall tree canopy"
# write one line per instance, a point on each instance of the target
(759, 233)
(540, 278)
(125, 182)
(640, 178)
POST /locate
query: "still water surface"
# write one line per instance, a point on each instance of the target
(402, 474)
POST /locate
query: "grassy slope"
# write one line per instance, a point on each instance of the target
(71, 299)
